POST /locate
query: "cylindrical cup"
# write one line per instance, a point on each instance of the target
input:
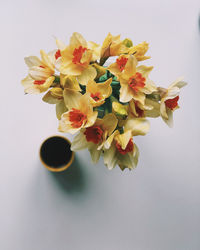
(55, 153)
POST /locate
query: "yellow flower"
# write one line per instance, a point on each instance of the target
(169, 100)
(76, 58)
(94, 137)
(80, 112)
(120, 148)
(98, 92)
(139, 51)
(134, 82)
(32, 86)
(41, 73)
(112, 46)
(122, 151)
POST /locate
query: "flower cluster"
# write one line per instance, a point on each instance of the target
(106, 105)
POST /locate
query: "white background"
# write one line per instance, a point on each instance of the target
(154, 207)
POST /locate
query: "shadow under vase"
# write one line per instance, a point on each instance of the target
(73, 179)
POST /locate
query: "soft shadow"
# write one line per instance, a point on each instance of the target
(73, 179)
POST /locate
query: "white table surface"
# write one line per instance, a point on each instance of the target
(156, 206)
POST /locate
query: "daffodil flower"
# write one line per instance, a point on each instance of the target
(134, 82)
(80, 112)
(139, 51)
(112, 46)
(95, 136)
(122, 151)
(98, 92)
(76, 58)
(120, 148)
(41, 73)
(169, 100)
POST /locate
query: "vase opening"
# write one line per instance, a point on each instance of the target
(55, 153)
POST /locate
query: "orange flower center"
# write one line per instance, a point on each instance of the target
(172, 103)
(121, 63)
(41, 66)
(78, 53)
(137, 81)
(129, 148)
(39, 82)
(139, 111)
(94, 134)
(57, 54)
(76, 118)
(96, 96)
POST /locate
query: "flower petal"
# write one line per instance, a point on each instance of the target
(179, 83)
(29, 86)
(91, 119)
(69, 82)
(60, 109)
(169, 121)
(46, 85)
(87, 75)
(109, 141)
(105, 88)
(172, 93)
(60, 44)
(139, 96)
(125, 93)
(79, 142)
(144, 70)
(123, 139)
(47, 60)
(114, 69)
(149, 87)
(109, 123)
(77, 40)
(50, 99)
(95, 154)
(72, 98)
(38, 73)
(96, 50)
(32, 61)
(138, 126)
(163, 111)
(110, 158)
(130, 68)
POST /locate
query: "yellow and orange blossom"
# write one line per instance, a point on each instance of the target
(95, 136)
(134, 82)
(80, 112)
(76, 58)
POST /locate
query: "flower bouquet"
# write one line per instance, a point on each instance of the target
(105, 104)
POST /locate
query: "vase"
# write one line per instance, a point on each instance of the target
(55, 153)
